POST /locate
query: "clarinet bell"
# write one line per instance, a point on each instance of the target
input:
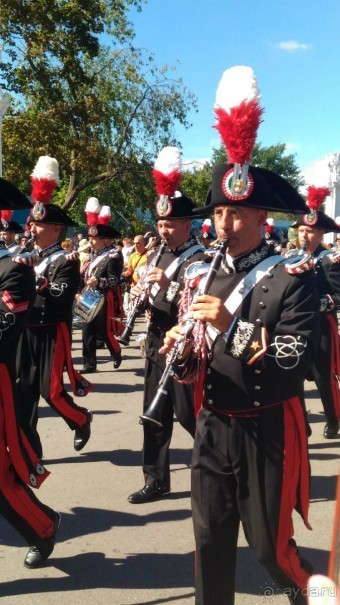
(124, 338)
(150, 418)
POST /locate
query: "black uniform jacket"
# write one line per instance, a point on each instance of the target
(17, 292)
(108, 270)
(265, 356)
(164, 306)
(56, 286)
(328, 279)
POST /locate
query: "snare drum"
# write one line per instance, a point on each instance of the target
(89, 305)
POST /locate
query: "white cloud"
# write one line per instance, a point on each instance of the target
(292, 46)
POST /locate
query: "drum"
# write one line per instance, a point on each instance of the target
(89, 305)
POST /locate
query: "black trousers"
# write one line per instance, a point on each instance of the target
(97, 330)
(156, 464)
(323, 372)
(238, 476)
(40, 365)
(18, 504)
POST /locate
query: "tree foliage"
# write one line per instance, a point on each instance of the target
(83, 94)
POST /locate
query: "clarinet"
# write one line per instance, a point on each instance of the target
(154, 413)
(124, 338)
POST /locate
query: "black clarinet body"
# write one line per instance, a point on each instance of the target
(124, 338)
(154, 413)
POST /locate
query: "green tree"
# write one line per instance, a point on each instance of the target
(196, 183)
(272, 157)
(103, 110)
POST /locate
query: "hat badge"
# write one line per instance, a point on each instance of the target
(164, 206)
(235, 187)
(39, 211)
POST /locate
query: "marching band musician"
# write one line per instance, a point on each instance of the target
(250, 349)
(325, 369)
(20, 469)
(8, 231)
(44, 349)
(102, 274)
(174, 216)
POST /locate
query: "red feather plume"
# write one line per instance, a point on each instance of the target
(166, 184)
(316, 196)
(42, 190)
(6, 215)
(238, 129)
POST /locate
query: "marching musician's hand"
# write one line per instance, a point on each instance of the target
(92, 281)
(135, 291)
(173, 335)
(157, 276)
(211, 309)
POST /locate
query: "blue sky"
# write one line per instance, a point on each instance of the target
(292, 46)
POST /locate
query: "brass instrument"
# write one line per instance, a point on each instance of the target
(124, 338)
(154, 413)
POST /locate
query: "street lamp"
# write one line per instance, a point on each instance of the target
(4, 104)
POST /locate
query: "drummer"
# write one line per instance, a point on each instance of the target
(103, 275)
(44, 349)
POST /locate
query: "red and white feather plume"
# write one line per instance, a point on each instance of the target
(167, 175)
(316, 196)
(206, 227)
(269, 226)
(238, 112)
(104, 217)
(45, 179)
(92, 210)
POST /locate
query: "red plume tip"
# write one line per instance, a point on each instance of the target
(316, 196)
(166, 184)
(238, 129)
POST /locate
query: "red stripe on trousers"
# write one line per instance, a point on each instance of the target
(295, 483)
(335, 363)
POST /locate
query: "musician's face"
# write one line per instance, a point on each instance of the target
(309, 237)
(176, 232)
(7, 236)
(44, 234)
(96, 243)
(242, 227)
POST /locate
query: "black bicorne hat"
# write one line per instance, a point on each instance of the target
(11, 197)
(261, 188)
(10, 226)
(49, 214)
(314, 217)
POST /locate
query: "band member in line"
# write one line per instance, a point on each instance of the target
(20, 469)
(326, 366)
(9, 229)
(44, 349)
(248, 353)
(174, 216)
(103, 274)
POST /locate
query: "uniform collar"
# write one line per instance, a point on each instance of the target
(190, 242)
(49, 250)
(247, 261)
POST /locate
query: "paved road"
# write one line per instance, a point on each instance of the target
(112, 552)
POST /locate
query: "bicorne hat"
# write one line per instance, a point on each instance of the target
(238, 183)
(317, 219)
(98, 219)
(6, 223)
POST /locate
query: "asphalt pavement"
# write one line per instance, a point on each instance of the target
(109, 551)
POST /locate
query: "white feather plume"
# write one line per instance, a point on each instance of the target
(270, 222)
(92, 205)
(168, 160)
(236, 85)
(105, 211)
(46, 168)
(207, 222)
